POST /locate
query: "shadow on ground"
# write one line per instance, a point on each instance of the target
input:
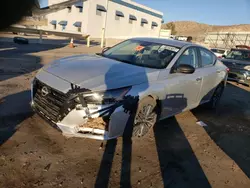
(16, 59)
(178, 163)
(13, 110)
(229, 127)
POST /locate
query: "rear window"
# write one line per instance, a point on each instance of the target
(207, 58)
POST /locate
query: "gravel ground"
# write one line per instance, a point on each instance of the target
(176, 153)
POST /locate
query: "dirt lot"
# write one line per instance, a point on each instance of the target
(177, 152)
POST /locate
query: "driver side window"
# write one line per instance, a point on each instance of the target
(189, 57)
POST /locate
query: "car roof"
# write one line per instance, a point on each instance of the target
(241, 49)
(169, 42)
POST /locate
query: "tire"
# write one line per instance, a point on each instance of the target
(145, 117)
(215, 99)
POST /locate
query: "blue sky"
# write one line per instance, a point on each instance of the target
(216, 12)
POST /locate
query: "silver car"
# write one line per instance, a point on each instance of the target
(131, 85)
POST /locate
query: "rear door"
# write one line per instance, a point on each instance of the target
(183, 89)
(209, 74)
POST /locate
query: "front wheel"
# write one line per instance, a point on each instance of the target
(145, 117)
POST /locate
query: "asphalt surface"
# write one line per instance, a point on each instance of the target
(176, 153)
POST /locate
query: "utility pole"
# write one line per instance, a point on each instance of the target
(104, 25)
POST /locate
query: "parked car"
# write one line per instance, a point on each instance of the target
(219, 52)
(94, 96)
(238, 62)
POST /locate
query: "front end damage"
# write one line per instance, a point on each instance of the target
(78, 118)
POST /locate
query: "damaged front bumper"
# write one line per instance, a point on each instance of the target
(81, 119)
(78, 123)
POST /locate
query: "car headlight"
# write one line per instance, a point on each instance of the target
(247, 67)
(106, 97)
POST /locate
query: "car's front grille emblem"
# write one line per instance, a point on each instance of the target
(44, 91)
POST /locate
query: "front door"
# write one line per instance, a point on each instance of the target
(183, 89)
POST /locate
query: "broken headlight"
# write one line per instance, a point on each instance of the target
(104, 98)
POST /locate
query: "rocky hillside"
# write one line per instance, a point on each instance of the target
(196, 29)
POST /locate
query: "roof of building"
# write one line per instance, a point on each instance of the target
(170, 42)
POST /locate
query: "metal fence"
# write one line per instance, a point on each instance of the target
(227, 40)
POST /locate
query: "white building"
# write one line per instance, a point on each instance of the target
(124, 19)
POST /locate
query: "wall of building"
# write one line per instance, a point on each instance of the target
(93, 24)
(121, 28)
(65, 15)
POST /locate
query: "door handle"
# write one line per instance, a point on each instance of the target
(198, 79)
(218, 71)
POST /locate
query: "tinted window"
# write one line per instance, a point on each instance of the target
(142, 53)
(243, 55)
(207, 58)
(189, 57)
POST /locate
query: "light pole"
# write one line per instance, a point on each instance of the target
(104, 24)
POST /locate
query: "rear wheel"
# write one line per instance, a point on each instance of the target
(215, 99)
(145, 117)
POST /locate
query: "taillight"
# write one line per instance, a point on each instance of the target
(228, 69)
(220, 57)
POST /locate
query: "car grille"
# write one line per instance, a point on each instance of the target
(49, 102)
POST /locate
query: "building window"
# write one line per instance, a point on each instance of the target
(154, 24)
(79, 29)
(98, 13)
(100, 9)
(118, 14)
(63, 27)
(69, 9)
(54, 27)
(132, 18)
(143, 22)
(80, 9)
(117, 17)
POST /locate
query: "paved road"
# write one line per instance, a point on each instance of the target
(176, 153)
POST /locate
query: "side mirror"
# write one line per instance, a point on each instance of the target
(105, 49)
(185, 69)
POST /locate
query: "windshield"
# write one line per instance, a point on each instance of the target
(218, 51)
(239, 55)
(142, 53)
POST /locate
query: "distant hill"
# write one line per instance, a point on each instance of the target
(196, 29)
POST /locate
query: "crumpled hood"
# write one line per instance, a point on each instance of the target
(97, 73)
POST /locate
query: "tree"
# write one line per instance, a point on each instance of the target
(170, 26)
